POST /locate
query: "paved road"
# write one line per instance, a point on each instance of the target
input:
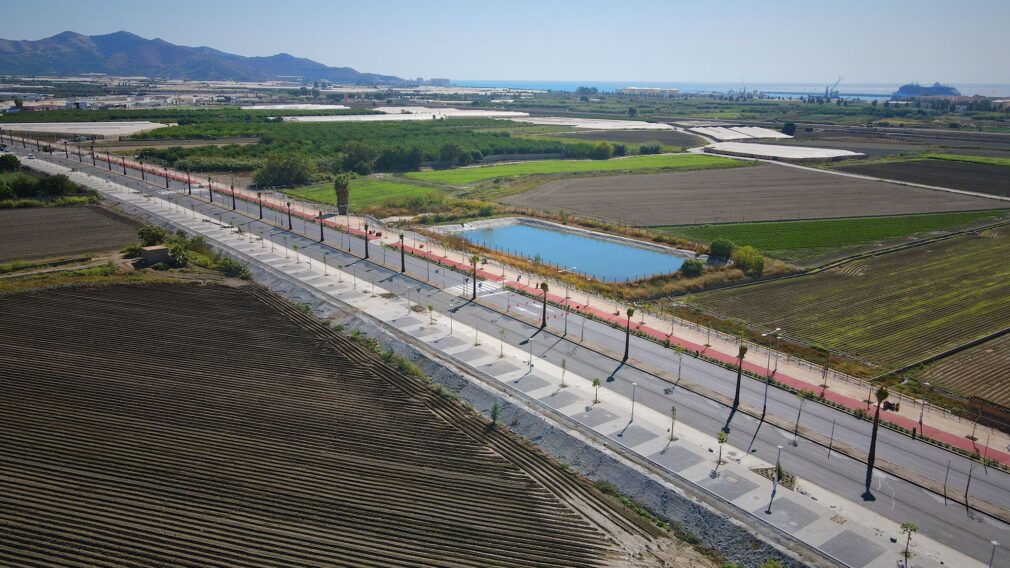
(897, 500)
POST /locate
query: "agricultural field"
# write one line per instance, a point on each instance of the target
(978, 174)
(893, 309)
(366, 192)
(758, 193)
(805, 241)
(674, 138)
(656, 162)
(983, 371)
(270, 440)
(47, 232)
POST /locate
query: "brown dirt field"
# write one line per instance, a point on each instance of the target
(47, 232)
(759, 193)
(983, 370)
(981, 178)
(668, 137)
(180, 424)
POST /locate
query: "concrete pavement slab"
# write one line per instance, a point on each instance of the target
(676, 458)
(729, 486)
(852, 548)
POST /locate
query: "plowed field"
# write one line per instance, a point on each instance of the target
(983, 370)
(981, 178)
(737, 195)
(46, 232)
(894, 309)
(206, 425)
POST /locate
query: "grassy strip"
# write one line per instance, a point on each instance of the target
(366, 192)
(464, 176)
(22, 265)
(989, 160)
(106, 274)
(793, 240)
(61, 202)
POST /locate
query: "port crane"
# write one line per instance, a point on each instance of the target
(831, 92)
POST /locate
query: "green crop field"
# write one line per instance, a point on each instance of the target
(992, 161)
(657, 162)
(894, 309)
(798, 240)
(366, 192)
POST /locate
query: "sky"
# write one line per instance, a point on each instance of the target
(889, 41)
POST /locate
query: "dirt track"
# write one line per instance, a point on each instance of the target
(759, 193)
(981, 178)
(36, 233)
(187, 424)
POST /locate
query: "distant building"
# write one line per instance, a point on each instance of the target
(647, 92)
(439, 82)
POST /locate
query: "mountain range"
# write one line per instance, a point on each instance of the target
(127, 54)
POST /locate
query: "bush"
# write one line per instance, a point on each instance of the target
(9, 163)
(131, 251)
(692, 268)
(651, 148)
(151, 235)
(178, 255)
(233, 269)
(602, 151)
(749, 260)
(294, 169)
(789, 128)
(721, 248)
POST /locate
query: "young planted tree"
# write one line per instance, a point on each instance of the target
(881, 395)
(596, 385)
(545, 288)
(721, 439)
(495, 412)
(627, 334)
(673, 422)
(739, 375)
(908, 529)
(474, 259)
(564, 367)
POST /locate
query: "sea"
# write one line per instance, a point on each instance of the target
(867, 91)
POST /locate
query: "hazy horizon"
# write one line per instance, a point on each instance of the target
(643, 41)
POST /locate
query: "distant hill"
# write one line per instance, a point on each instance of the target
(917, 90)
(126, 54)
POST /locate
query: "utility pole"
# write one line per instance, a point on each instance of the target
(320, 226)
(259, 199)
(289, 215)
(403, 257)
(366, 241)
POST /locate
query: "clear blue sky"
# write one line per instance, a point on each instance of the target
(889, 41)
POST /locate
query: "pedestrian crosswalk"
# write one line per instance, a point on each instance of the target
(484, 287)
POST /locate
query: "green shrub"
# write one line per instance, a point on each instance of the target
(692, 268)
(651, 148)
(151, 235)
(233, 269)
(749, 260)
(131, 251)
(721, 248)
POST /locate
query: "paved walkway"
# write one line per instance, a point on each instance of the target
(851, 392)
(851, 534)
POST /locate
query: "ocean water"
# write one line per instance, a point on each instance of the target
(866, 90)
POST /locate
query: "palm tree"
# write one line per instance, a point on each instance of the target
(908, 528)
(627, 334)
(474, 259)
(545, 288)
(739, 374)
(564, 367)
(596, 385)
(403, 258)
(881, 395)
(342, 187)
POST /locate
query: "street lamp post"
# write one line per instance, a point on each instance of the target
(995, 545)
(775, 480)
(768, 375)
(366, 241)
(289, 215)
(321, 226)
(634, 392)
(922, 411)
(403, 258)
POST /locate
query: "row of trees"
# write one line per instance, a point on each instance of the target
(24, 186)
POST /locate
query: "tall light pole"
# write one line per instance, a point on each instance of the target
(366, 241)
(403, 258)
(289, 215)
(634, 392)
(995, 545)
(922, 411)
(775, 480)
(768, 374)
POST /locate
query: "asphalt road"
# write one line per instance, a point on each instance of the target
(898, 500)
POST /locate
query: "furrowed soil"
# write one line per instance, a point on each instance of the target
(983, 370)
(894, 309)
(176, 424)
(665, 137)
(46, 232)
(980, 178)
(758, 193)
